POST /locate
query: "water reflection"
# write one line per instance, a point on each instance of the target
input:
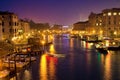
(52, 49)
(71, 53)
(43, 68)
(87, 45)
(106, 64)
(107, 72)
(47, 67)
(81, 63)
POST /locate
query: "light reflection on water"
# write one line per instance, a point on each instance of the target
(43, 68)
(82, 62)
(107, 71)
(47, 67)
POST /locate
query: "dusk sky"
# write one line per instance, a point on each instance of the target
(65, 12)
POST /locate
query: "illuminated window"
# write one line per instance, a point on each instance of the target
(119, 13)
(104, 14)
(109, 14)
(100, 20)
(100, 24)
(96, 24)
(114, 13)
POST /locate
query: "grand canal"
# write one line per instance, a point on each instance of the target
(80, 62)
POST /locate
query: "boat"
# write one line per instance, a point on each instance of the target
(12, 63)
(4, 73)
(101, 48)
(113, 45)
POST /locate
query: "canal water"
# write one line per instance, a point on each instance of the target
(79, 61)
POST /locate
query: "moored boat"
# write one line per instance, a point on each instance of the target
(4, 73)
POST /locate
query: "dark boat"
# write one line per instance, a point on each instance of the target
(102, 50)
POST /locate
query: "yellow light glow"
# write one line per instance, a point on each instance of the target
(109, 14)
(96, 24)
(107, 43)
(52, 68)
(43, 68)
(43, 42)
(119, 13)
(114, 13)
(101, 31)
(93, 31)
(115, 33)
(1, 65)
(104, 14)
(107, 72)
(52, 49)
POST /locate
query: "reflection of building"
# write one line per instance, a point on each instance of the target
(9, 24)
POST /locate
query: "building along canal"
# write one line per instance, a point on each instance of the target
(76, 60)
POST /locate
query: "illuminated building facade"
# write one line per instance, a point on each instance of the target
(9, 24)
(106, 23)
(111, 21)
(102, 24)
(0, 28)
(80, 27)
(24, 27)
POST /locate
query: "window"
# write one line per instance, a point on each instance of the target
(104, 14)
(114, 22)
(109, 28)
(10, 16)
(109, 22)
(10, 30)
(2, 23)
(109, 14)
(119, 13)
(114, 13)
(10, 24)
(3, 30)
(96, 24)
(100, 20)
(3, 17)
